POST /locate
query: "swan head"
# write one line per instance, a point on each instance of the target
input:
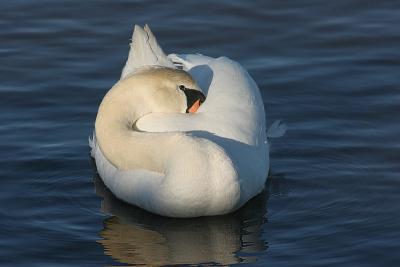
(173, 80)
(167, 89)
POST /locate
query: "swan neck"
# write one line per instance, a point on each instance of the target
(118, 112)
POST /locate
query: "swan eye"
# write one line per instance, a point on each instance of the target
(182, 87)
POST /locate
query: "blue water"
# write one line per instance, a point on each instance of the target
(330, 70)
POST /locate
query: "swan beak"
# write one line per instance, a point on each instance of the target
(194, 107)
(194, 99)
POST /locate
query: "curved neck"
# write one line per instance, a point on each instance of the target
(120, 143)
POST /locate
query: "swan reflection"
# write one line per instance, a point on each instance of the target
(134, 236)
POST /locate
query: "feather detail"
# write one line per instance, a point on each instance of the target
(144, 51)
(277, 129)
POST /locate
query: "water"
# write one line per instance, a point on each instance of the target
(330, 70)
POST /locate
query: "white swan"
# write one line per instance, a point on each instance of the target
(152, 154)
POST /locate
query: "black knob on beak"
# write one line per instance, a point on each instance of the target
(194, 98)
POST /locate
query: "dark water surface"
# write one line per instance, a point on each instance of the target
(330, 70)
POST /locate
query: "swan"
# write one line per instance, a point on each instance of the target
(182, 135)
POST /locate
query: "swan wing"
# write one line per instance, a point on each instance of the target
(233, 108)
(232, 117)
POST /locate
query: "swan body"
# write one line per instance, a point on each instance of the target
(151, 154)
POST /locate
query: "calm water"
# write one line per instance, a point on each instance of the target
(330, 70)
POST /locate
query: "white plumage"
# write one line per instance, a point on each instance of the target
(214, 161)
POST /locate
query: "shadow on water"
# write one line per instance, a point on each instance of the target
(134, 236)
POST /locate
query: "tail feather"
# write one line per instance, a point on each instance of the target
(277, 129)
(92, 144)
(144, 51)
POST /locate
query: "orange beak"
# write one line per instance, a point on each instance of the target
(194, 99)
(194, 107)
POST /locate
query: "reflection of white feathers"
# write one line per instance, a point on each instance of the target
(135, 237)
